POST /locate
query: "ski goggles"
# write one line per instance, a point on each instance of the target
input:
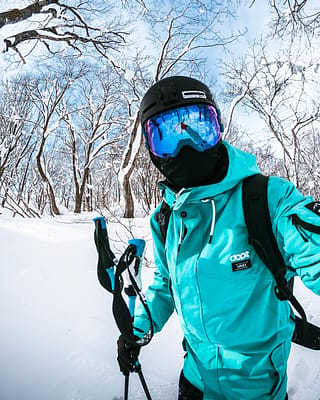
(195, 125)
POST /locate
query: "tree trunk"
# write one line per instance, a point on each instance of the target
(127, 167)
(46, 181)
(80, 191)
(127, 193)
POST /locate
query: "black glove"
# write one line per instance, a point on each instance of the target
(127, 355)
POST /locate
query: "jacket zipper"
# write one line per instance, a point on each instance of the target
(298, 222)
(182, 227)
(171, 293)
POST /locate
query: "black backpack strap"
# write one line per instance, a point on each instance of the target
(261, 237)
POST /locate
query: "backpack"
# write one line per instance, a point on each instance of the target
(261, 237)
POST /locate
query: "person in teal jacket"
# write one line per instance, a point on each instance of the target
(237, 333)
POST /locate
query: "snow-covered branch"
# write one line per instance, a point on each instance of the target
(56, 22)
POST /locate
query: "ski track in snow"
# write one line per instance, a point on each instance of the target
(58, 336)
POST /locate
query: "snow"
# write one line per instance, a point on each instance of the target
(2, 44)
(58, 337)
(128, 75)
(13, 4)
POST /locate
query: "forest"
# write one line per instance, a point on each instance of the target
(74, 73)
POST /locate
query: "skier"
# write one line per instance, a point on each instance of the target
(237, 333)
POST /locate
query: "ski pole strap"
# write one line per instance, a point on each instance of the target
(130, 292)
(110, 272)
(121, 312)
(120, 309)
(106, 258)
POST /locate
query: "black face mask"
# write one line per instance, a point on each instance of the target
(193, 168)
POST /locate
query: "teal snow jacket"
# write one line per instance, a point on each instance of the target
(237, 332)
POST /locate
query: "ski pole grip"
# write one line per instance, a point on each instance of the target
(132, 305)
(102, 222)
(140, 245)
(134, 269)
(106, 258)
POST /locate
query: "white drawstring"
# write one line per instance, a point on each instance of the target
(181, 234)
(213, 220)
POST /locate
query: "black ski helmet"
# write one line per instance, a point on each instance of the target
(175, 91)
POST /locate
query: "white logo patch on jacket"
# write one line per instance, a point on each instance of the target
(240, 261)
(240, 257)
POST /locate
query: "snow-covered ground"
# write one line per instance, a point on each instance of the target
(58, 337)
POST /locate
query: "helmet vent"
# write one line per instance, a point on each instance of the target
(193, 94)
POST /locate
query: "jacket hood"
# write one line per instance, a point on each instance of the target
(241, 165)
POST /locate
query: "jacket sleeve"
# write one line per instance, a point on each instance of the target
(296, 225)
(158, 294)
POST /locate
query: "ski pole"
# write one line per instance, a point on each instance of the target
(137, 369)
(126, 387)
(143, 382)
(134, 272)
(110, 272)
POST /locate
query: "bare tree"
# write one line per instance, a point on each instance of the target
(145, 183)
(174, 46)
(47, 93)
(17, 138)
(15, 109)
(283, 92)
(75, 119)
(93, 126)
(174, 41)
(53, 22)
(294, 17)
(310, 161)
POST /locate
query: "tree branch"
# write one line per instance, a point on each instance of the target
(66, 24)
(17, 15)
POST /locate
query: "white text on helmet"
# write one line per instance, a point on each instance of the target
(193, 94)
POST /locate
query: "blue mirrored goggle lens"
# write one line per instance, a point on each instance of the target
(195, 125)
